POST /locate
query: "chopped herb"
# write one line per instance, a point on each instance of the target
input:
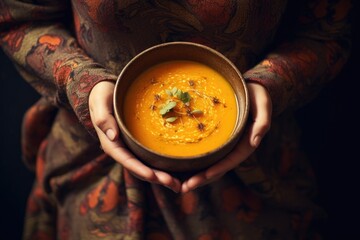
(201, 126)
(184, 97)
(165, 109)
(176, 95)
(174, 91)
(168, 92)
(196, 112)
(157, 97)
(215, 100)
(171, 119)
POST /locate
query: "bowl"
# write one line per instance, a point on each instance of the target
(180, 51)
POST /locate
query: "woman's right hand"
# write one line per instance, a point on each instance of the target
(102, 117)
(260, 116)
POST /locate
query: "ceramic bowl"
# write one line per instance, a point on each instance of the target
(180, 51)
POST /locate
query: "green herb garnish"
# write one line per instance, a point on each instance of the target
(165, 109)
(181, 100)
(196, 112)
(171, 119)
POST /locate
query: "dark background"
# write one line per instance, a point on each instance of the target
(330, 136)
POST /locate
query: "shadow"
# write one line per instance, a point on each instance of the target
(15, 179)
(330, 137)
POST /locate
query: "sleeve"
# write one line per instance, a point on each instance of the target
(35, 37)
(313, 53)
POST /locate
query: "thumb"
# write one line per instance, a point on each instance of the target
(101, 109)
(261, 110)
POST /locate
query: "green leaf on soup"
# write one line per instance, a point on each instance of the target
(171, 119)
(197, 112)
(185, 97)
(168, 92)
(165, 109)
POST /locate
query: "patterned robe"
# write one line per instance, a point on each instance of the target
(63, 48)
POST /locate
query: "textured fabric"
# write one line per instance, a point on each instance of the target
(63, 48)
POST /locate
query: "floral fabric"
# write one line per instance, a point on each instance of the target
(63, 48)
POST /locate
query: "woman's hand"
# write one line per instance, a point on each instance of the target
(260, 114)
(101, 112)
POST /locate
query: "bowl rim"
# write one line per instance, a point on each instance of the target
(234, 135)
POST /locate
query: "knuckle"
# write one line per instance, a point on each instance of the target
(100, 122)
(267, 127)
(168, 181)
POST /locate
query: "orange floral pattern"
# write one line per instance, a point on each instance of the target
(80, 192)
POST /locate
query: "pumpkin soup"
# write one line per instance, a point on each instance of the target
(180, 108)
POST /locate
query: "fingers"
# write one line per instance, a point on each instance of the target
(241, 152)
(168, 181)
(117, 151)
(145, 173)
(101, 109)
(261, 120)
(261, 109)
(198, 181)
(193, 182)
(101, 113)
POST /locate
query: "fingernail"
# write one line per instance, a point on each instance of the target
(110, 134)
(192, 188)
(184, 189)
(256, 141)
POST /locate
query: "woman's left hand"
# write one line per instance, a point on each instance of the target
(101, 112)
(260, 112)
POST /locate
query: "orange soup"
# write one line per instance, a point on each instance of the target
(180, 108)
